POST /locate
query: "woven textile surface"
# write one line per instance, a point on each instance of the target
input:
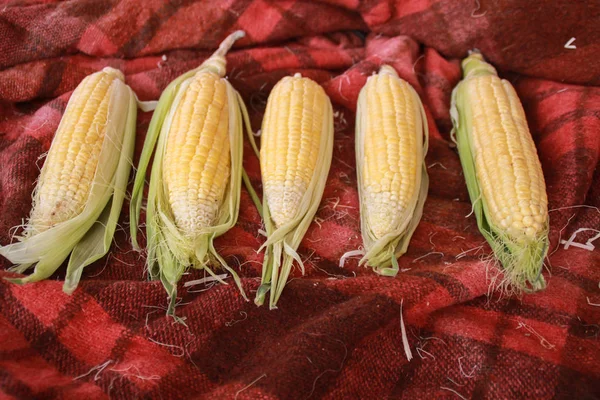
(337, 331)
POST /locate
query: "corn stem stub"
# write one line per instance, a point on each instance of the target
(295, 156)
(391, 144)
(194, 191)
(82, 184)
(503, 173)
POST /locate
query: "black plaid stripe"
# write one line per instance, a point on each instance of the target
(13, 387)
(43, 340)
(37, 41)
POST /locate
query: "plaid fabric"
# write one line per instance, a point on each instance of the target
(336, 334)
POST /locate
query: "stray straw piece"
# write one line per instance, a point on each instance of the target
(405, 343)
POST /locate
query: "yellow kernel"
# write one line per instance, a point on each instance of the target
(517, 225)
(517, 216)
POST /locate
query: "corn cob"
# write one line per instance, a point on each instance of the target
(87, 165)
(503, 173)
(391, 143)
(194, 191)
(295, 156)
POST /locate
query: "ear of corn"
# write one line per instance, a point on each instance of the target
(295, 156)
(503, 173)
(80, 191)
(194, 190)
(391, 143)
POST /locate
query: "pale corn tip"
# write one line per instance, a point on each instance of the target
(474, 65)
(116, 73)
(387, 70)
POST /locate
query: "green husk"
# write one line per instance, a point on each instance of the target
(521, 258)
(245, 177)
(382, 253)
(87, 236)
(170, 252)
(282, 243)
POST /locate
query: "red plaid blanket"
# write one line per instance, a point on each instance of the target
(337, 333)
